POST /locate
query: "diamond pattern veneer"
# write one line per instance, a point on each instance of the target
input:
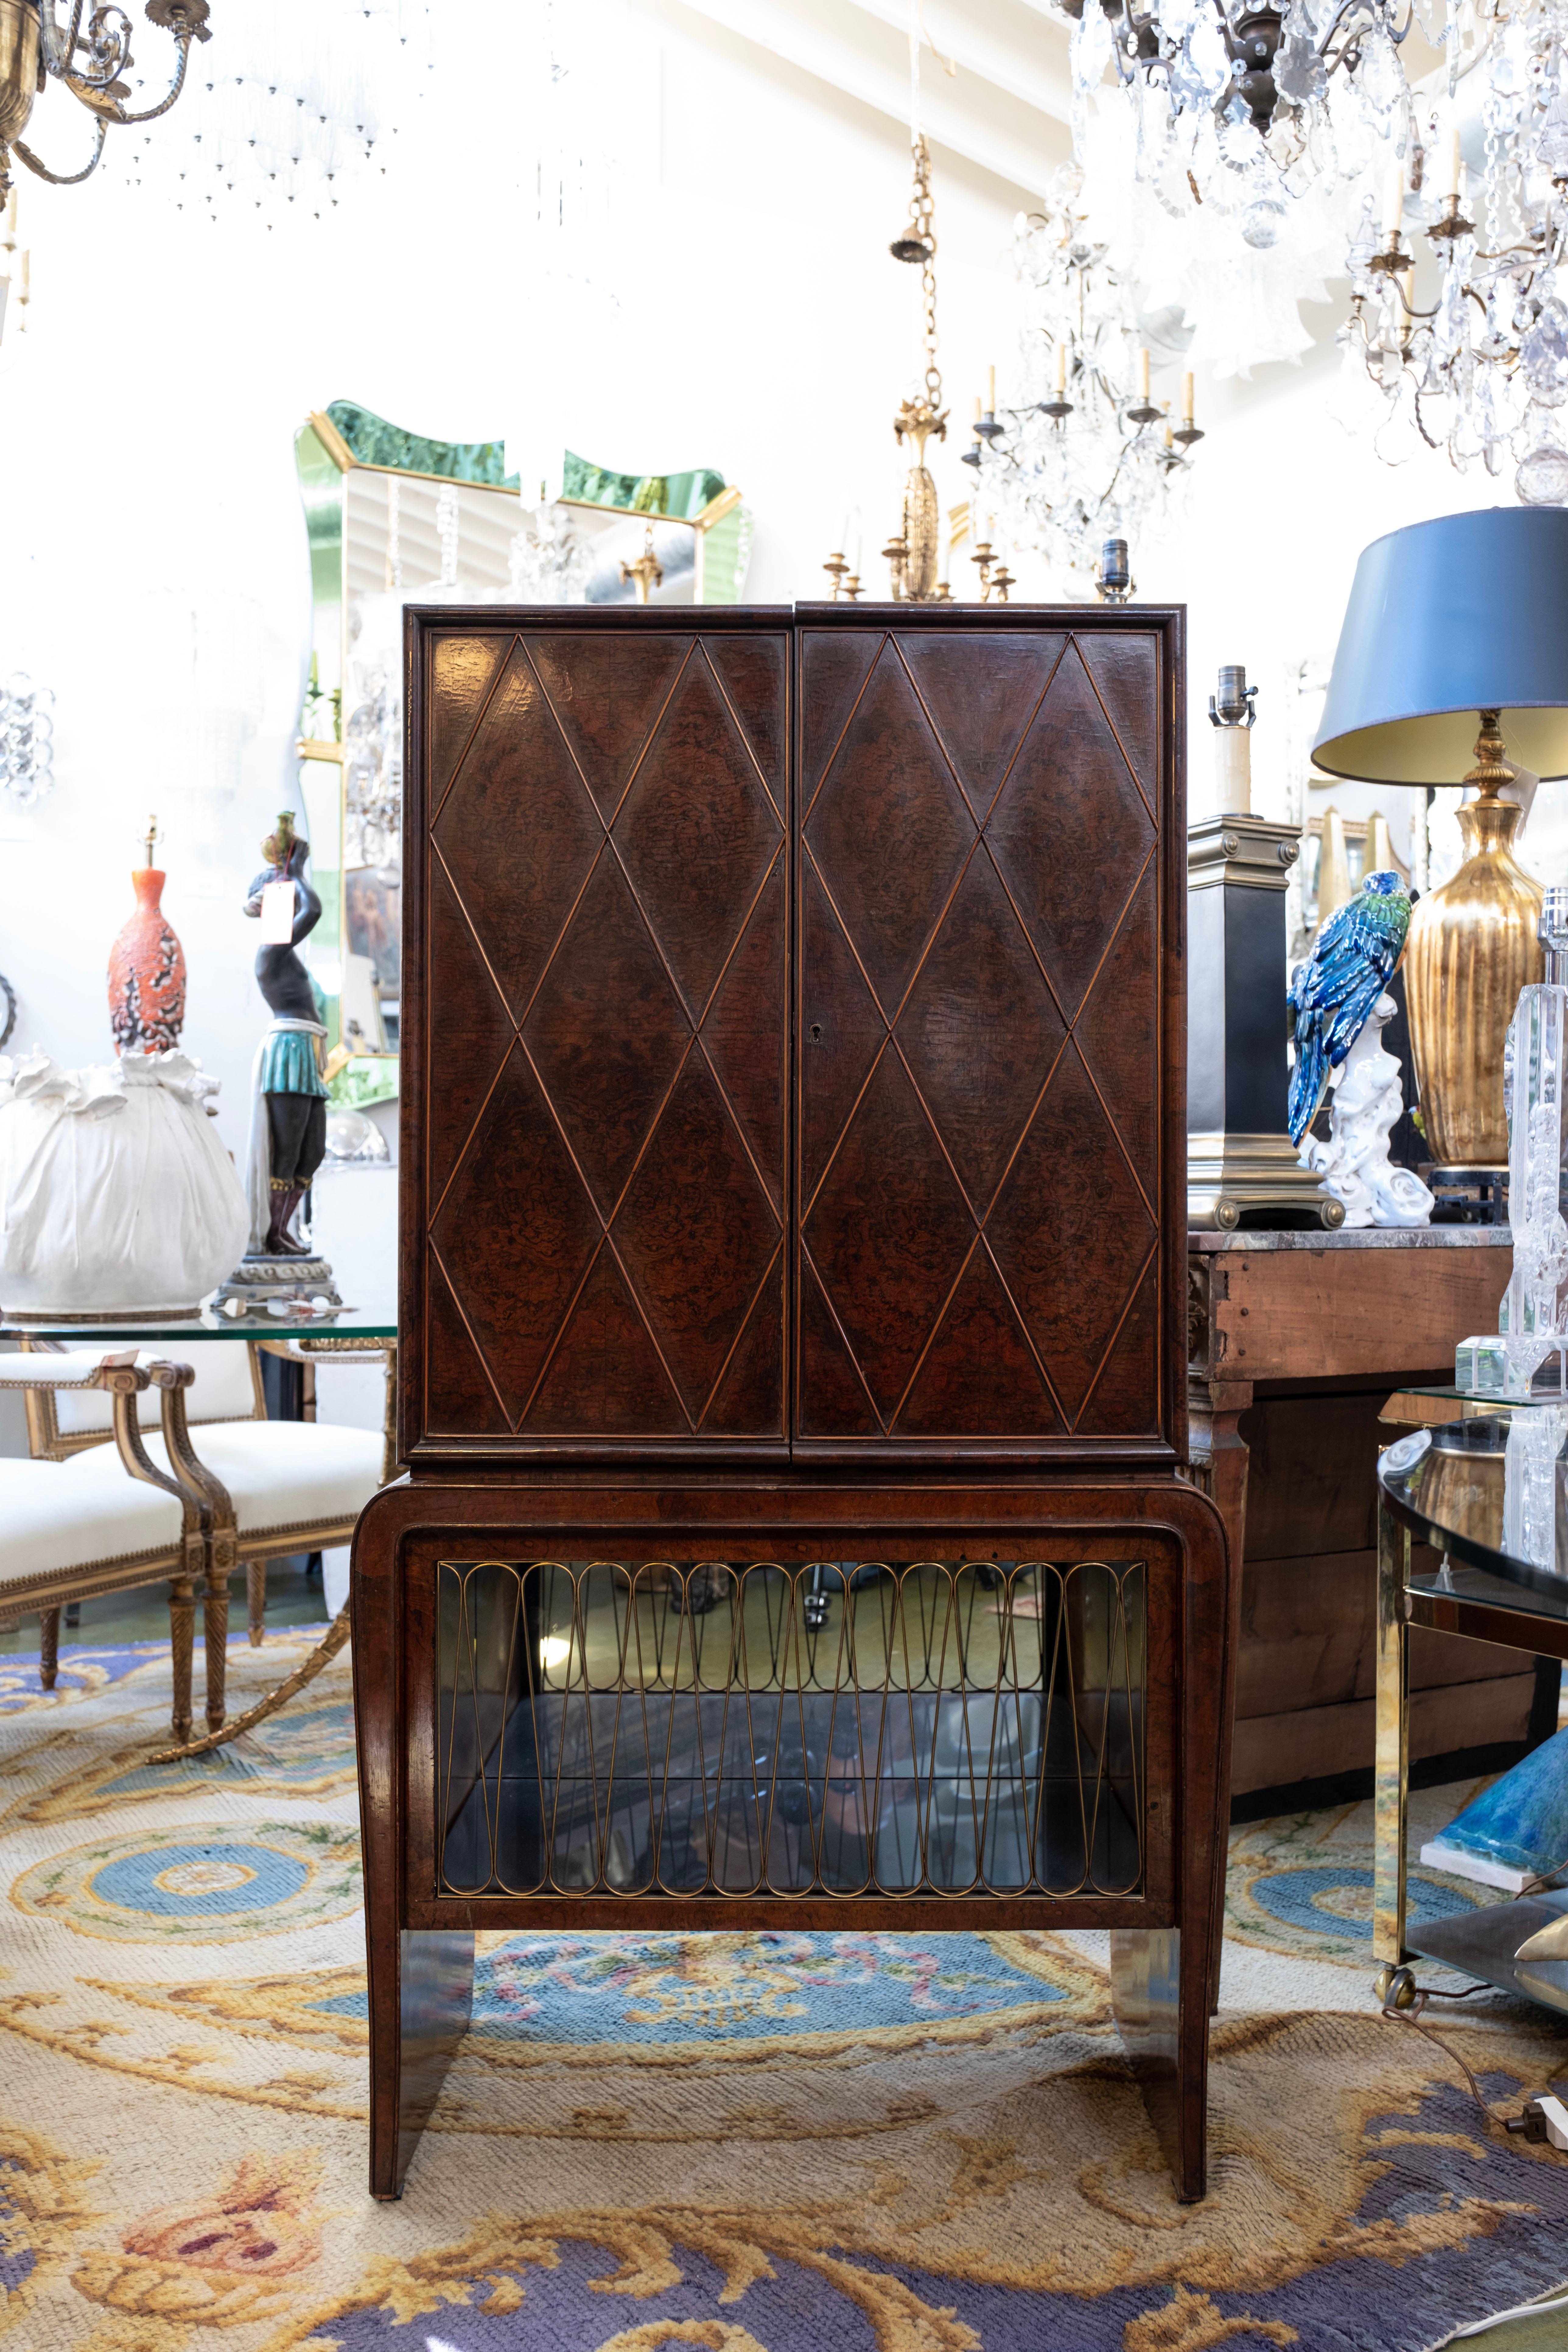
(953, 1234)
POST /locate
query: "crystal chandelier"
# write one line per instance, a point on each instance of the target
(549, 559)
(1481, 369)
(372, 771)
(36, 47)
(1087, 457)
(1241, 108)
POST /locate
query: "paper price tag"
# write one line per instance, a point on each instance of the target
(277, 914)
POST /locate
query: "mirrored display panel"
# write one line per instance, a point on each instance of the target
(766, 1727)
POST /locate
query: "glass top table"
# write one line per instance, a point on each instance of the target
(1490, 1494)
(1487, 1494)
(371, 1314)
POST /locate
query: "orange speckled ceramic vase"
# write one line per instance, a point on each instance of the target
(146, 974)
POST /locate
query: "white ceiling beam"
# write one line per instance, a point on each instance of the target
(860, 54)
(1007, 43)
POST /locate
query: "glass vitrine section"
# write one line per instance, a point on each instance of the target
(708, 1728)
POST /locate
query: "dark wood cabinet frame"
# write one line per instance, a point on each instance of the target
(488, 1491)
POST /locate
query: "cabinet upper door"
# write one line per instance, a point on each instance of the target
(991, 1129)
(597, 921)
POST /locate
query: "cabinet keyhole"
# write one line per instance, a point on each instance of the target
(815, 1032)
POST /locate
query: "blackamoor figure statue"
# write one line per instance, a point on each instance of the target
(288, 1107)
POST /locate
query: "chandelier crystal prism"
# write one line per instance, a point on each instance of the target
(1240, 107)
(36, 47)
(1458, 329)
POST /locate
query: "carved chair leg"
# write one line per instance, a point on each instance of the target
(214, 1627)
(48, 1647)
(182, 1638)
(255, 1598)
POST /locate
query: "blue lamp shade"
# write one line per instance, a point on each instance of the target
(1446, 619)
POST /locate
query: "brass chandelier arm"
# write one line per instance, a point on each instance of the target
(44, 50)
(58, 47)
(73, 83)
(108, 44)
(63, 179)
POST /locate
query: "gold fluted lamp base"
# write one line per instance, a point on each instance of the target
(1472, 947)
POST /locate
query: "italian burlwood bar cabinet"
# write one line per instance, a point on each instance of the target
(793, 1277)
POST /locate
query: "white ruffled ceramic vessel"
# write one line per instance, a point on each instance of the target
(116, 1195)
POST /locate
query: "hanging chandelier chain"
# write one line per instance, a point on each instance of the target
(923, 231)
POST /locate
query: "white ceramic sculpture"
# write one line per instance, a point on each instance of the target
(1353, 1164)
(116, 1195)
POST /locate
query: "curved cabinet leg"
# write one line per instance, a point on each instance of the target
(434, 2002)
(1162, 1978)
(421, 1980)
(1159, 1988)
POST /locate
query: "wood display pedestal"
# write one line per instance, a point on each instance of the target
(1297, 1341)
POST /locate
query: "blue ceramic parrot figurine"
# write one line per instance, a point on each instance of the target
(1334, 991)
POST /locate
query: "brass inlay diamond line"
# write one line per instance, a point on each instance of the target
(838, 739)
(1132, 1301)
(431, 1245)
(501, 668)
(1094, 689)
(1023, 733)
(740, 730)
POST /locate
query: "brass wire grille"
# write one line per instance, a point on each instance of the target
(832, 1728)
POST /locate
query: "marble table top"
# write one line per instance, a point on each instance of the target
(1396, 1237)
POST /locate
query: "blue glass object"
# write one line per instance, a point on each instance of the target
(1520, 1823)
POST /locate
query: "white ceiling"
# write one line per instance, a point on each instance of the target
(1005, 107)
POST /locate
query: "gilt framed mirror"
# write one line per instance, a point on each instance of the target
(393, 517)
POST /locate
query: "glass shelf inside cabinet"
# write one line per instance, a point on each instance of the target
(785, 1728)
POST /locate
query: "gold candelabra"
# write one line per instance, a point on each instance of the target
(915, 548)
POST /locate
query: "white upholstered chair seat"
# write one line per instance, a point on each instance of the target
(283, 1473)
(57, 1515)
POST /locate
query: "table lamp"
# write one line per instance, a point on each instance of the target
(1452, 667)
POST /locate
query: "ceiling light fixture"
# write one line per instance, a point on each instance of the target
(36, 47)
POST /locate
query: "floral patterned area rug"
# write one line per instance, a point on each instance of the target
(752, 2143)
